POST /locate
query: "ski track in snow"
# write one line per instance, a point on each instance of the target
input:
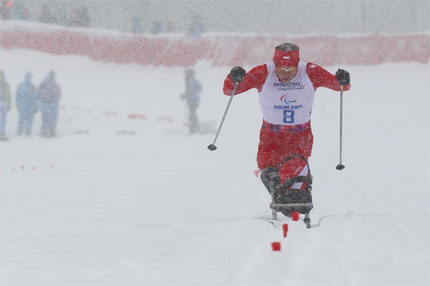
(141, 202)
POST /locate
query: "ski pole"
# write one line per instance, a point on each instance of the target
(340, 166)
(212, 146)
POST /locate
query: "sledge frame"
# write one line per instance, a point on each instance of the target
(302, 208)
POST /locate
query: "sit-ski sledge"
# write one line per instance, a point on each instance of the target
(286, 199)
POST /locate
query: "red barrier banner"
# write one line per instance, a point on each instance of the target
(221, 50)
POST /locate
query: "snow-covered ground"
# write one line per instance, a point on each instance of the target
(125, 196)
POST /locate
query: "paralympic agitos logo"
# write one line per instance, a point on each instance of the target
(285, 100)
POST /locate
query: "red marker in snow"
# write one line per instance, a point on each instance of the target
(276, 246)
(295, 216)
(285, 229)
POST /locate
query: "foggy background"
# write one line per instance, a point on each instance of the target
(245, 16)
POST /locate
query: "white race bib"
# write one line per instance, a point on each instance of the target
(287, 103)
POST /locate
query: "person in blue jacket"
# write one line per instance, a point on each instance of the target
(192, 97)
(49, 98)
(26, 102)
(5, 102)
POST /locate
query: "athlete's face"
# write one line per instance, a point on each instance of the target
(285, 74)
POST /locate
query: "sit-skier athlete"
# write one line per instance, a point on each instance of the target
(286, 88)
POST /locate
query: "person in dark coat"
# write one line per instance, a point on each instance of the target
(26, 101)
(48, 99)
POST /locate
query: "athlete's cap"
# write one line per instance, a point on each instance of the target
(286, 55)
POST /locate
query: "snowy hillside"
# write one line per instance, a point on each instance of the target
(125, 196)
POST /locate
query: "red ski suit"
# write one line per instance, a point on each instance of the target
(278, 142)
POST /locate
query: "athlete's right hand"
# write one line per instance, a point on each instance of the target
(237, 74)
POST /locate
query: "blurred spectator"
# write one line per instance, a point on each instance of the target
(170, 27)
(26, 102)
(5, 102)
(157, 27)
(196, 27)
(136, 25)
(19, 11)
(49, 97)
(63, 17)
(46, 16)
(192, 97)
(6, 9)
(80, 17)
